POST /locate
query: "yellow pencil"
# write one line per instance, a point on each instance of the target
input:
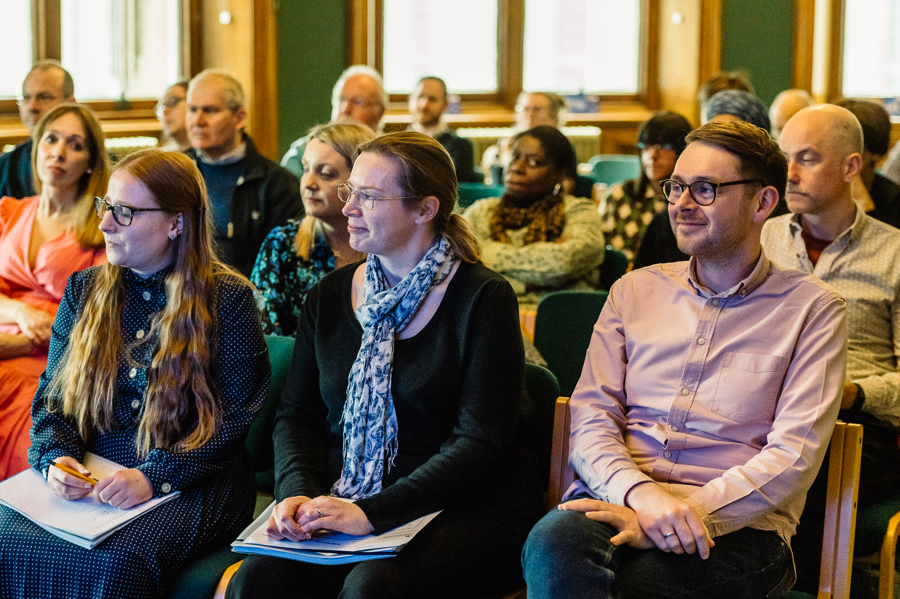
(77, 474)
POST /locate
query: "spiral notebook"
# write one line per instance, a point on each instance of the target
(85, 522)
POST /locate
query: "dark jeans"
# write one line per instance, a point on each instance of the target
(460, 553)
(569, 555)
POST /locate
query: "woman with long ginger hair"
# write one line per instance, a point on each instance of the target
(43, 240)
(157, 362)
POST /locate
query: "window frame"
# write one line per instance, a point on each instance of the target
(364, 45)
(46, 27)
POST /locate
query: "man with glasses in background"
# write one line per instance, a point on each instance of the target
(830, 236)
(46, 86)
(705, 404)
(357, 97)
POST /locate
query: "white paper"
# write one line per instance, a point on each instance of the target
(87, 518)
(330, 548)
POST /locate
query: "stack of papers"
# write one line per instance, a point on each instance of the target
(329, 548)
(85, 522)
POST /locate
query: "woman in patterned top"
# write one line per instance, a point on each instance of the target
(629, 206)
(157, 362)
(294, 257)
(536, 236)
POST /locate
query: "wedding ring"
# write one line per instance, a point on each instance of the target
(666, 536)
(318, 511)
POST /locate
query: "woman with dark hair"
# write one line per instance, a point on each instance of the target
(629, 206)
(404, 397)
(294, 257)
(43, 240)
(157, 362)
(536, 236)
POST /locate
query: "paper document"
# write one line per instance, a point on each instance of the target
(85, 522)
(330, 548)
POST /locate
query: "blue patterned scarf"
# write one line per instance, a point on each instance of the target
(370, 423)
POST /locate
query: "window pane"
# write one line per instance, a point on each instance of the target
(16, 34)
(582, 45)
(116, 48)
(872, 48)
(456, 41)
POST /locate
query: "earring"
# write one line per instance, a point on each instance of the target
(557, 188)
(90, 170)
(173, 235)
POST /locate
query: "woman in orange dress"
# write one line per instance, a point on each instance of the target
(43, 240)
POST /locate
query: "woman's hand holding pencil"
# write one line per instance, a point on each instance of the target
(69, 479)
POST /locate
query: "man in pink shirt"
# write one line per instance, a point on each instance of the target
(706, 401)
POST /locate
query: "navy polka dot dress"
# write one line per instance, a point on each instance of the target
(217, 488)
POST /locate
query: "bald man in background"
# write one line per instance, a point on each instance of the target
(46, 86)
(829, 236)
(785, 105)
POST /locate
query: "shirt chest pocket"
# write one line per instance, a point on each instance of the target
(749, 386)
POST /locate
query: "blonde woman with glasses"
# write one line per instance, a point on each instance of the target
(404, 396)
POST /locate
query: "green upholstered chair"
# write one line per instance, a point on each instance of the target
(562, 332)
(615, 265)
(199, 577)
(469, 193)
(612, 168)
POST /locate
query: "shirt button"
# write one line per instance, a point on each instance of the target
(675, 428)
(165, 487)
(701, 341)
(147, 295)
(140, 334)
(715, 302)
(132, 373)
(135, 404)
(668, 454)
(685, 391)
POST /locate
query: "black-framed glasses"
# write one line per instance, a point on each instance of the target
(703, 192)
(367, 200)
(122, 214)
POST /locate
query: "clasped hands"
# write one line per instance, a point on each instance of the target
(655, 519)
(297, 518)
(122, 489)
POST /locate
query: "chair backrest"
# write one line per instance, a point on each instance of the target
(615, 265)
(259, 437)
(562, 332)
(612, 168)
(840, 501)
(469, 193)
(542, 393)
(584, 187)
(840, 511)
(562, 475)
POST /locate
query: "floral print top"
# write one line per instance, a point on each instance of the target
(283, 279)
